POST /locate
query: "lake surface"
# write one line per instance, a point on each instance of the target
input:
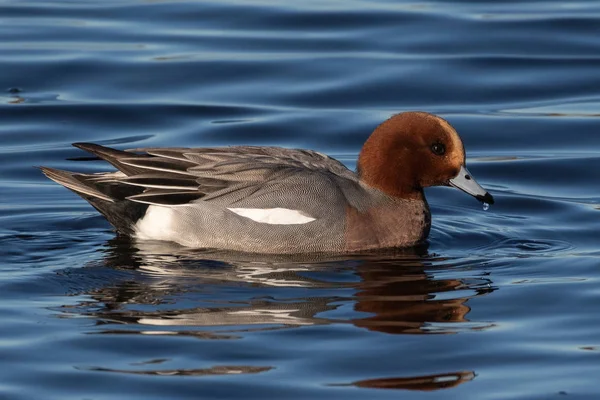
(500, 304)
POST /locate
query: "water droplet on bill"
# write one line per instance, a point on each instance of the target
(486, 206)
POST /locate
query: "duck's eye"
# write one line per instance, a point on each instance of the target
(438, 149)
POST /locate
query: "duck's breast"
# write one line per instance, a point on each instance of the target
(390, 224)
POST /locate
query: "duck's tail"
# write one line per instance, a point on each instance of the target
(103, 191)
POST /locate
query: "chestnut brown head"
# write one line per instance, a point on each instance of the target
(414, 150)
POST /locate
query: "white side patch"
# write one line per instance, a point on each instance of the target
(156, 224)
(274, 216)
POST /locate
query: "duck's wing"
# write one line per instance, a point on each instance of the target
(176, 176)
(170, 176)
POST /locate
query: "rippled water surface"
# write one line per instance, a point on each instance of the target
(503, 303)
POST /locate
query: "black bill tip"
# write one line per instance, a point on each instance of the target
(486, 198)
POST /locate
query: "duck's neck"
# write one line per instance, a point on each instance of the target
(386, 165)
(395, 181)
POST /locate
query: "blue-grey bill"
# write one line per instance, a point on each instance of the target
(465, 182)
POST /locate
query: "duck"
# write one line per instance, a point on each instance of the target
(275, 200)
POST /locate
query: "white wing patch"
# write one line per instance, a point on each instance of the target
(274, 216)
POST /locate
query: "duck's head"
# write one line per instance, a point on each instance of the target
(414, 150)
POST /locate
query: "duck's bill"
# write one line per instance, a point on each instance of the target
(465, 182)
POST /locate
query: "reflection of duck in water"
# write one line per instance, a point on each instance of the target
(234, 294)
(396, 290)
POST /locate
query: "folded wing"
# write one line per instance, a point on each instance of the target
(179, 176)
(175, 176)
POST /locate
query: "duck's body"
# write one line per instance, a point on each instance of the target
(262, 199)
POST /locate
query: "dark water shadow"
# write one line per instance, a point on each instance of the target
(425, 383)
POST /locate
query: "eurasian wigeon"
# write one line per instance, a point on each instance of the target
(276, 200)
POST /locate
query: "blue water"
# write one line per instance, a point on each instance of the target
(503, 303)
